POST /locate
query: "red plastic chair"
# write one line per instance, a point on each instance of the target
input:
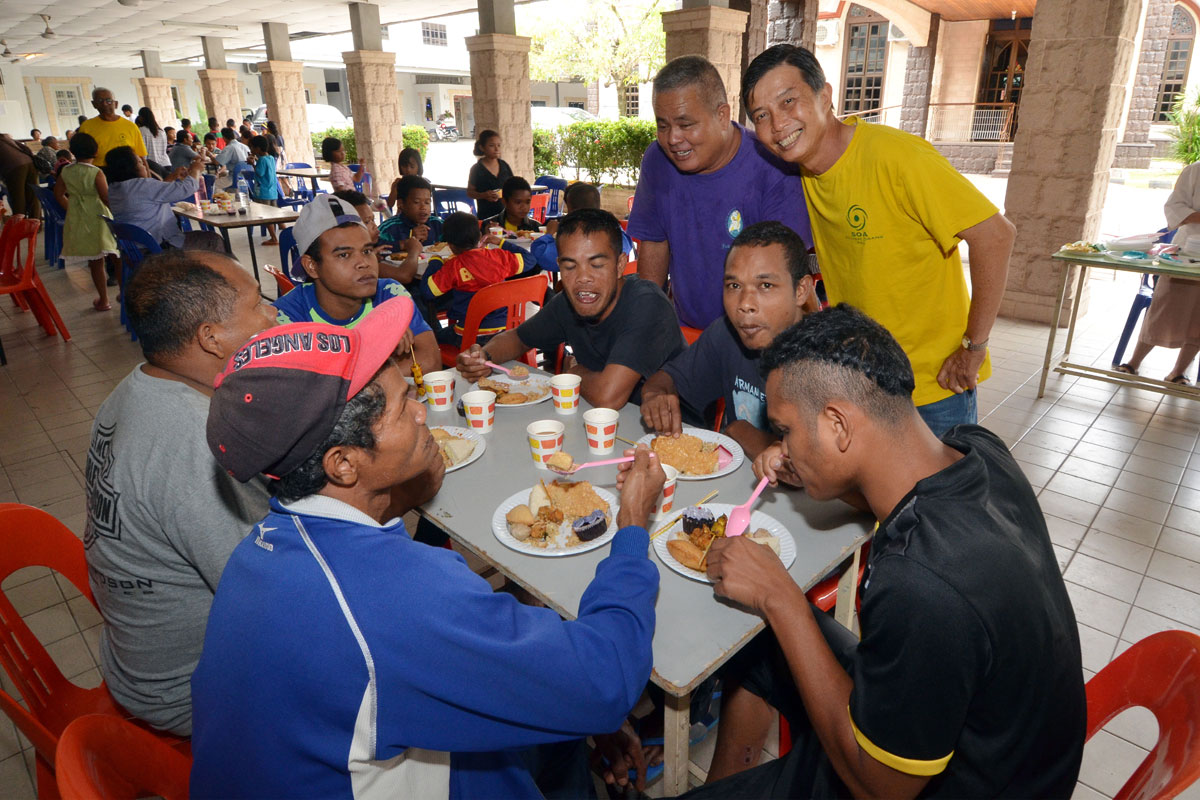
(101, 757)
(538, 205)
(29, 537)
(1161, 673)
(690, 335)
(283, 284)
(629, 205)
(19, 278)
(630, 267)
(513, 295)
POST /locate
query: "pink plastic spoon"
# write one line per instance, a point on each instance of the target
(739, 517)
(509, 372)
(585, 465)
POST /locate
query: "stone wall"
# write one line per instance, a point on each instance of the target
(716, 34)
(500, 88)
(156, 95)
(1071, 108)
(975, 158)
(918, 82)
(1134, 155)
(792, 22)
(222, 95)
(283, 94)
(1151, 60)
(378, 117)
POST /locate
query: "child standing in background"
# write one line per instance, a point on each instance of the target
(82, 190)
(410, 164)
(266, 186)
(339, 174)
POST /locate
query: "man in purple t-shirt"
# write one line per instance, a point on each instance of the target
(702, 182)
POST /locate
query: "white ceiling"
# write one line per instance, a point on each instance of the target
(106, 33)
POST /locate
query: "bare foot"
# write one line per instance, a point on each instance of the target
(101, 305)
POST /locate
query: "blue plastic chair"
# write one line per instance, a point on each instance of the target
(131, 240)
(295, 201)
(54, 218)
(447, 201)
(210, 181)
(305, 190)
(289, 256)
(556, 186)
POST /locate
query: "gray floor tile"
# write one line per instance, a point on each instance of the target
(1115, 550)
(1170, 601)
(1104, 577)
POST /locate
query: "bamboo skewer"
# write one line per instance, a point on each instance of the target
(678, 516)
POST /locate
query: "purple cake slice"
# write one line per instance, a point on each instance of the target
(695, 517)
(591, 526)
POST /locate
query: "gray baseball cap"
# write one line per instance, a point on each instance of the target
(324, 213)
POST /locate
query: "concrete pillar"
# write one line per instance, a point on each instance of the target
(716, 34)
(283, 94)
(156, 95)
(375, 105)
(214, 52)
(151, 64)
(275, 37)
(918, 82)
(754, 40)
(1079, 57)
(500, 90)
(1135, 148)
(792, 22)
(219, 84)
(497, 16)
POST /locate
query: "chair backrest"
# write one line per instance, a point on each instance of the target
(210, 181)
(447, 201)
(556, 186)
(102, 757)
(16, 262)
(242, 170)
(512, 295)
(131, 239)
(51, 210)
(289, 256)
(538, 205)
(1161, 673)
(629, 205)
(283, 284)
(690, 335)
(297, 165)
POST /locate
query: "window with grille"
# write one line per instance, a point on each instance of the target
(67, 103)
(866, 60)
(434, 34)
(1175, 70)
(629, 101)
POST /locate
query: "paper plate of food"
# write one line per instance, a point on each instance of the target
(559, 518)
(684, 547)
(459, 446)
(697, 454)
(1141, 241)
(1139, 257)
(534, 389)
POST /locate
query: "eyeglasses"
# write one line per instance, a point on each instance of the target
(110, 101)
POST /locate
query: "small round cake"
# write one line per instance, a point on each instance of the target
(695, 517)
(591, 526)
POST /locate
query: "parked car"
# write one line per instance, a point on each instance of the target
(321, 117)
(553, 116)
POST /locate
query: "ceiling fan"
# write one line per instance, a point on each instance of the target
(49, 33)
(16, 58)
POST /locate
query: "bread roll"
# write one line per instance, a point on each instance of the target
(686, 553)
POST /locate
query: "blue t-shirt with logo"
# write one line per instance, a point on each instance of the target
(700, 215)
(719, 365)
(300, 305)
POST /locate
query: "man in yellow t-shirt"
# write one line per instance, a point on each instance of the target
(110, 129)
(887, 213)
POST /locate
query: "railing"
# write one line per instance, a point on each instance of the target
(888, 115)
(971, 122)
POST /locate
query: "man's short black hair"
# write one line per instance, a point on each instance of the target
(228, 134)
(588, 221)
(841, 353)
(329, 146)
(798, 57)
(83, 145)
(763, 234)
(354, 428)
(185, 123)
(171, 296)
(121, 164)
(461, 230)
(352, 197)
(212, 122)
(513, 185)
(33, 134)
(126, 107)
(581, 195)
(410, 182)
(695, 71)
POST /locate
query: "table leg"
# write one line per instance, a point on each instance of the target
(1062, 296)
(847, 591)
(1079, 282)
(677, 727)
(228, 244)
(253, 255)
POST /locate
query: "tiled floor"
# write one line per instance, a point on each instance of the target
(1118, 473)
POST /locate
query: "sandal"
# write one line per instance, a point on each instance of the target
(1179, 380)
(1125, 368)
(96, 304)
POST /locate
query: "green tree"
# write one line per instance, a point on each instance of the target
(1185, 119)
(616, 42)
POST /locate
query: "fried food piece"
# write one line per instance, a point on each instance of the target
(688, 454)
(519, 371)
(560, 460)
(499, 387)
(576, 499)
(687, 553)
(510, 398)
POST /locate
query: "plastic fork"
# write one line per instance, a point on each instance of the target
(508, 372)
(739, 517)
(587, 464)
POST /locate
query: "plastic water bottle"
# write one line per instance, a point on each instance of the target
(243, 195)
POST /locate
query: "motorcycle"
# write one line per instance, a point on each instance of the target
(446, 131)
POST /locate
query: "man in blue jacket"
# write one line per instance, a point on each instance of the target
(341, 658)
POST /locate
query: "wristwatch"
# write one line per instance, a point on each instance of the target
(973, 347)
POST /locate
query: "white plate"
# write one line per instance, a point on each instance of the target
(500, 528)
(1139, 257)
(1141, 241)
(534, 381)
(758, 519)
(464, 433)
(735, 450)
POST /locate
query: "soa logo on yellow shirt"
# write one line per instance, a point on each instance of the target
(856, 218)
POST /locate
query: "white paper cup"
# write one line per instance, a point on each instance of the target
(564, 393)
(439, 389)
(545, 439)
(480, 408)
(600, 425)
(666, 500)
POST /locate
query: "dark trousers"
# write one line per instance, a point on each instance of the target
(21, 183)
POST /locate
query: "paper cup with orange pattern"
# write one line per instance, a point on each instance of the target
(480, 409)
(600, 425)
(564, 392)
(545, 439)
(439, 389)
(666, 500)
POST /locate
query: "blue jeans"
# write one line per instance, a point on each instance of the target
(957, 409)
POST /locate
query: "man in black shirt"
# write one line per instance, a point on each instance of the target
(967, 681)
(620, 330)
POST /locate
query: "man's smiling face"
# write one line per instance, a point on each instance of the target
(788, 116)
(692, 131)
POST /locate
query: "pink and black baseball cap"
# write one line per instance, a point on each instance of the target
(283, 391)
